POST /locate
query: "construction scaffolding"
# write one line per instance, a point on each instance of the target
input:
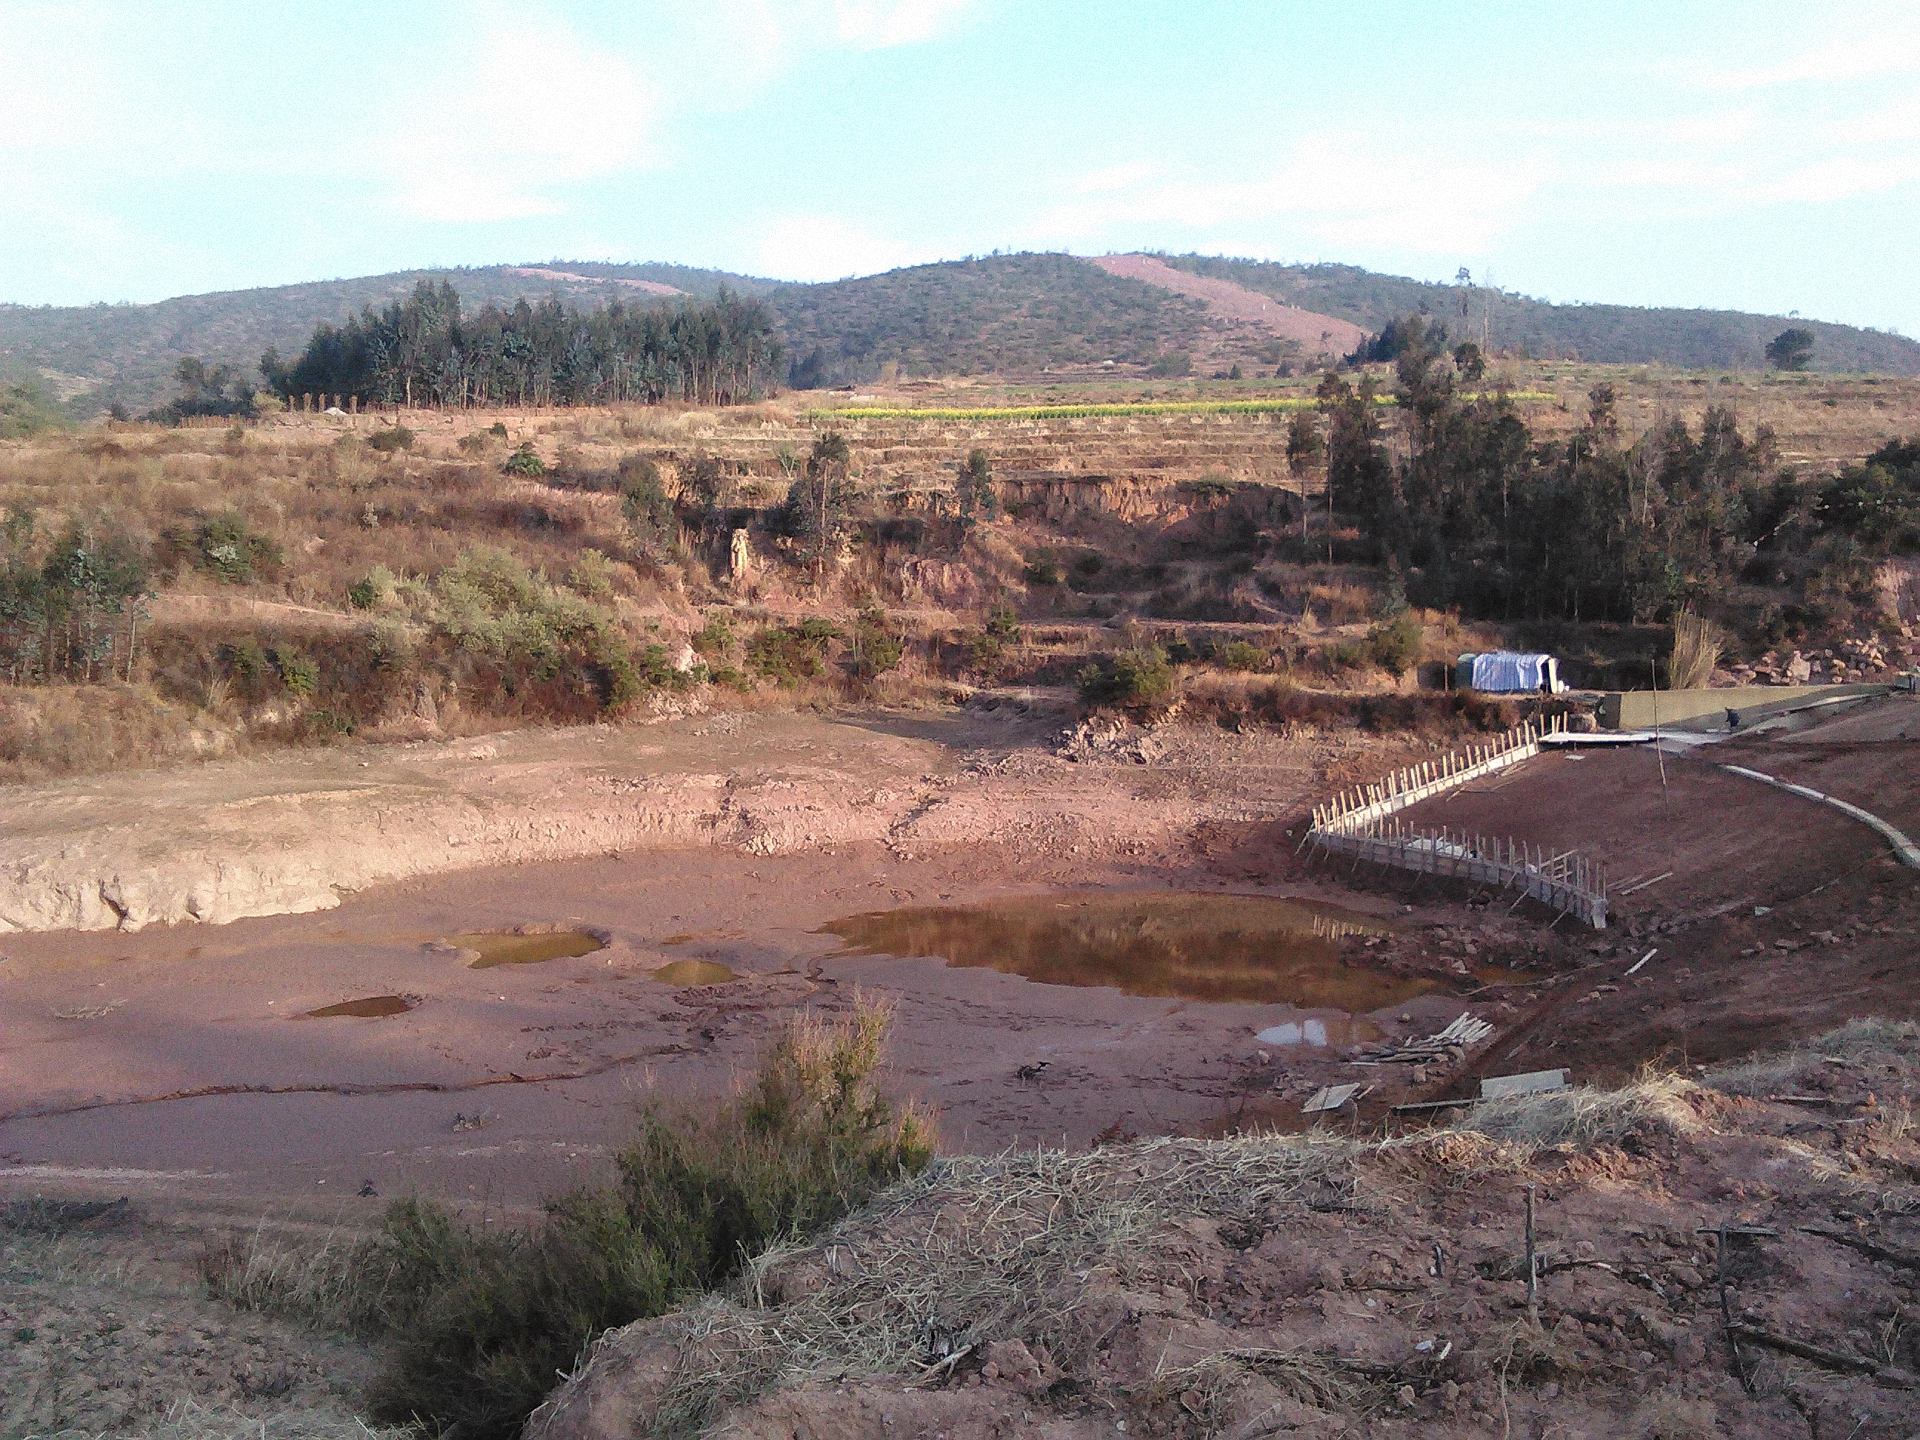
(1360, 823)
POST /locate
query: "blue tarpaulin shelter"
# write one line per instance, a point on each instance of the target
(1510, 672)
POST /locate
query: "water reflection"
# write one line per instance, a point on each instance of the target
(1251, 949)
(1314, 1030)
(509, 948)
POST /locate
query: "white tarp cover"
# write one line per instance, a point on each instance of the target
(1508, 671)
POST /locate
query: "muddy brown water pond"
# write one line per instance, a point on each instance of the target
(370, 1007)
(510, 949)
(693, 972)
(1251, 949)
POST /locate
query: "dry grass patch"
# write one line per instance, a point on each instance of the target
(1859, 1041)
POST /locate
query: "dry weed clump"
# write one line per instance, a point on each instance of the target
(76, 730)
(1584, 1117)
(1859, 1041)
(190, 1420)
(1033, 1246)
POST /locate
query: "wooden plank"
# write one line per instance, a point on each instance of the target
(1329, 1097)
(1535, 1082)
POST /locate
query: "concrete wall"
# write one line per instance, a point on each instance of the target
(1683, 709)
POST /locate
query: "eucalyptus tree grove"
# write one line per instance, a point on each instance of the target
(423, 351)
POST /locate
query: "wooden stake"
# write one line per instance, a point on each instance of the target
(1533, 1267)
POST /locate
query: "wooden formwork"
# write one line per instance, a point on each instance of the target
(1359, 823)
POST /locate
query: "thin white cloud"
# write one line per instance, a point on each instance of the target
(882, 24)
(1874, 43)
(1123, 176)
(825, 247)
(1328, 189)
(531, 108)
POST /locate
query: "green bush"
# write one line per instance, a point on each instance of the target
(225, 548)
(1132, 678)
(1394, 645)
(1346, 655)
(1239, 655)
(591, 575)
(363, 594)
(388, 441)
(789, 654)
(299, 673)
(524, 462)
(715, 637)
(1042, 572)
(247, 662)
(480, 1323)
(327, 724)
(876, 649)
(498, 430)
(645, 505)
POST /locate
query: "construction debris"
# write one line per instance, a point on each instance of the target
(1452, 1043)
(1499, 1087)
(1331, 1097)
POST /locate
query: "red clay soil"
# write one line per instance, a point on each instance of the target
(1389, 1297)
(1317, 334)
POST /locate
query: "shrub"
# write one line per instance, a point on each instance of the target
(789, 654)
(1042, 572)
(248, 664)
(388, 441)
(592, 575)
(523, 461)
(380, 588)
(498, 430)
(480, 1323)
(1135, 677)
(1346, 655)
(225, 548)
(715, 638)
(876, 650)
(645, 506)
(1394, 645)
(327, 725)
(299, 673)
(1239, 655)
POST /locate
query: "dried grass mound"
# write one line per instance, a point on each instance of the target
(1047, 1247)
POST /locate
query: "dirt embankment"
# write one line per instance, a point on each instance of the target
(1303, 1286)
(290, 834)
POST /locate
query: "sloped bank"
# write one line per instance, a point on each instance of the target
(1298, 1284)
(291, 834)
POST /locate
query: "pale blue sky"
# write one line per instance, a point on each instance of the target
(1749, 155)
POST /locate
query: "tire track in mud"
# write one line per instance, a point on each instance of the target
(324, 1087)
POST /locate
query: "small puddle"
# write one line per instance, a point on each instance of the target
(1492, 975)
(1251, 949)
(498, 948)
(371, 1007)
(1314, 1030)
(693, 972)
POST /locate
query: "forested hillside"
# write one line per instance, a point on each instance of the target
(999, 313)
(1610, 334)
(103, 355)
(1010, 314)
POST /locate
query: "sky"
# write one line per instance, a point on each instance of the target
(1754, 156)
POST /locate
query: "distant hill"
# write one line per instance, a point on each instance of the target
(1609, 334)
(1010, 314)
(1001, 313)
(100, 355)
